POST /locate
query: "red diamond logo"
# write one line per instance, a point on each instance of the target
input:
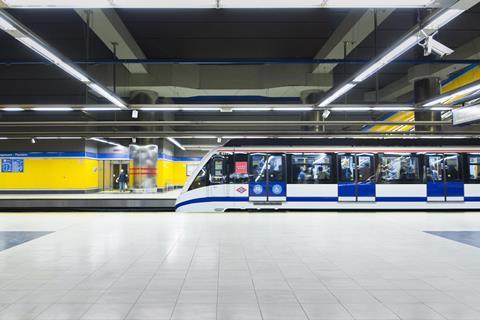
(241, 190)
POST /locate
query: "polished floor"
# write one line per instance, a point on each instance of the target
(324, 266)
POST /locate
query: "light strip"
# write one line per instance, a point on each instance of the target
(220, 4)
(294, 109)
(52, 109)
(252, 109)
(409, 42)
(6, 26)
(12, 109)
(393, 108)
(461, 92)
(201, 109)
(160, 109)
(101, 109)
(351, 109)
(440, 108)
(337, 94)
(106, 142)
(19, 32)
(175, 142)
(107, 95)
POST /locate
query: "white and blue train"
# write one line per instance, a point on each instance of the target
(336, 174)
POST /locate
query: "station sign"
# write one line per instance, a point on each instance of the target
(13, 165)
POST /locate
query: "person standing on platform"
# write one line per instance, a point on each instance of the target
(122, 180)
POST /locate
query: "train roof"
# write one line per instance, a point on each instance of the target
(358, 142)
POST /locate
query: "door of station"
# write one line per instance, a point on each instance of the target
(444, 177)
(267, 177)
(356, 181)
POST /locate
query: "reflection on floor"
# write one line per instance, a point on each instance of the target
(10, 239)
(468, 237)
(240, 266)
(104, 195)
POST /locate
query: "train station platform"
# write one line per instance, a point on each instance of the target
(164, 201)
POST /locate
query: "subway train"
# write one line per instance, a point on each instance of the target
(336, 174)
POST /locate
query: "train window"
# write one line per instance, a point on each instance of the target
(366, 170)
(200, 180)
(276, 171)
(312, 168)
(452, 167)
(474, 167)
(239, 168)
(217, 170)
(399, 169)
(434, 168)
(347, 168)
(257, 167)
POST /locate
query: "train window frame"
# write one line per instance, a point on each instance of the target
(233, 159)
(292, 177)
(467, 168)
(379, 172)
(204, 168)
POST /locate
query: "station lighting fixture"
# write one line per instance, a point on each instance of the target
(160, 109)
(433, 25)
(218, 4)
(12, 109)
(106, 142)
(54, 109)
(33, 141)
(101, 109)
(175, 142)
(23, 35)
(468, 90)
(252, 109)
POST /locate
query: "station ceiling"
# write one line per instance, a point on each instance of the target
(231, 39)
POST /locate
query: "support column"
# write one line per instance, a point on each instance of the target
(424, 89)
(146, 97)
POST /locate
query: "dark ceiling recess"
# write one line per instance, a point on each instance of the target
(232, 33)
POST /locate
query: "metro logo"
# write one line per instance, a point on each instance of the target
(241, 190)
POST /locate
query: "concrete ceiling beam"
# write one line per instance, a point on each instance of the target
(354, 29)
(109, 27)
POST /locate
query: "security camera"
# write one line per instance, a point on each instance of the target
(432, 45)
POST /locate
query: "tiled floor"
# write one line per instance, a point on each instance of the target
(322, 266)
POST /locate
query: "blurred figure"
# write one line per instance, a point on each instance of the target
(122, 181)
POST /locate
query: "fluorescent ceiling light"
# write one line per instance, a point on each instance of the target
(52, 109)
(252, 109)
(106, 142)
(440, 108)
(13, 109)
(393, 108)
(6, 26)
(107, 95)
(408, 43)
(175, 142)
(337, 94)
(213, 4)
(201, 109)
(73, 72)
(460, 93)
(101, 109)
(159, 109)
(351, 109)
(443, 19)
(294, 109)
(3, 138)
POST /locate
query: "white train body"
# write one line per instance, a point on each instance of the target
(257, 177)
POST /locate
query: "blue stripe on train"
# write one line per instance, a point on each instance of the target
(310, 199)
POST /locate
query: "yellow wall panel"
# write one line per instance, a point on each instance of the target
(57, 174)
(463, 80)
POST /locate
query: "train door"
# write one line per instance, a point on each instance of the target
(217, 177)
(356, 181)
(267, 177)
(444, 177)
